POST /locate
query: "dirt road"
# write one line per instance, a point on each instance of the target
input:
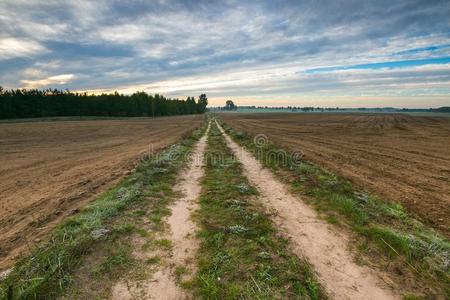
(49, 170)
(399, 157)
(323, 246)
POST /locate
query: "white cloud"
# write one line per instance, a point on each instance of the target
(49, 81)
(33, 73)
(123, 33)
(14, 47)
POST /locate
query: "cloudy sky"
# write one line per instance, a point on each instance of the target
(321, 53)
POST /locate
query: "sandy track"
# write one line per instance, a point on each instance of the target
(182, 235)
(48, 170)
(322, 245)
(399, 157)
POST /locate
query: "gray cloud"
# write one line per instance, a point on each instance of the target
(226, 48)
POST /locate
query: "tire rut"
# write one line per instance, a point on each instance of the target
(163, 284)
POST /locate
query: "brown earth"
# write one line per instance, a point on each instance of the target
(50, 169)
(399, 157)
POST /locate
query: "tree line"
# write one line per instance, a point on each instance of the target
(34, 103)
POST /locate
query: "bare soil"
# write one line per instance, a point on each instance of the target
(51, 169)
(399, 157)
(323, 246)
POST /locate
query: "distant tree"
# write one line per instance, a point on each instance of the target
(229, 105)
(191, 106)
(202, 103)
(442, 109)
(23, 103)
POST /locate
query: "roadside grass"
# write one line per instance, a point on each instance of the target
(117, 260)
(386, 234)
(241, 255)
(102, 230)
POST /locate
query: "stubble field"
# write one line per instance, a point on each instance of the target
(50, 169)
(399, 157)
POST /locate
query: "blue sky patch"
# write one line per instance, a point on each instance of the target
(383, 65)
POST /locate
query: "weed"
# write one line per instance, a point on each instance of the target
(153, 260)
(117, 260)
(164, 244)
(140, 213)
(180, 271)
(124, 228)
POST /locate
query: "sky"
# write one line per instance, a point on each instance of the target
(275, 53)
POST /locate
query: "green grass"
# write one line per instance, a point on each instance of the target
(164, 244)
(48, 270)
(117, 260)
(179, 272)
(385, 230)
(241, 255)
(153, 260)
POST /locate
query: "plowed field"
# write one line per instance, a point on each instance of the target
(49, 170)
(399, 157)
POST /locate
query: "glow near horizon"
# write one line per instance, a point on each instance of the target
(293, 53)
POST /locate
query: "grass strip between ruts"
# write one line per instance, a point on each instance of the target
(242, 256)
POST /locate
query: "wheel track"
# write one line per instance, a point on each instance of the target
(163, 284)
